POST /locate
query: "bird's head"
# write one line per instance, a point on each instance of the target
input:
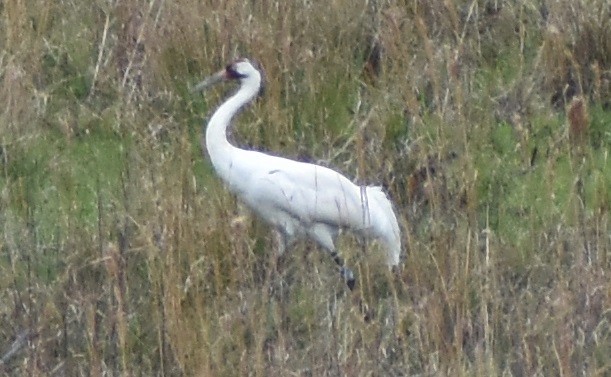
(242, 70)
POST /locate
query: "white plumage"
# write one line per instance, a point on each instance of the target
(299, 200)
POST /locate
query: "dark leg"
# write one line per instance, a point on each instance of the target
(345, 272)
(325, 235)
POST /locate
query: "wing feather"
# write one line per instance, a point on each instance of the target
(312, 194)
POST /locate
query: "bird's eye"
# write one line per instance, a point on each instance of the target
(232, 73)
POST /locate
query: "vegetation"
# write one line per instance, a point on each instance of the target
(488, 122)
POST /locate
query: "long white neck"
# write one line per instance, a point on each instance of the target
(219, 148)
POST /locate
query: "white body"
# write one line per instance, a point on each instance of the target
(296, 198)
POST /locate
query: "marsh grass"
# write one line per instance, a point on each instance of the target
(487, 123)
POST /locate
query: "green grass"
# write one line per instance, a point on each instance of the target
(123, 254)
(55, 179)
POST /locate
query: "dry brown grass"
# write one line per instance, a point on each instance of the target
(122, 254)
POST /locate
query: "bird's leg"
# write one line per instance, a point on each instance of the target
(281, 243)
(325, 235)
(344, 271)
(284, 240)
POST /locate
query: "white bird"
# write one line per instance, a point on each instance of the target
(299, 200)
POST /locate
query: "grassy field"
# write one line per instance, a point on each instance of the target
(488, 122)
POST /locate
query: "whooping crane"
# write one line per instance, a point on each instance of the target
(299, 200)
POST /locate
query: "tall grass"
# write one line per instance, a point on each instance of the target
(486, 121)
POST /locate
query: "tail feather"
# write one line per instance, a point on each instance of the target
(384, 222)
